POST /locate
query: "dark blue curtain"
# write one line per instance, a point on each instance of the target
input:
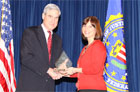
(27, 13)
(131, 10)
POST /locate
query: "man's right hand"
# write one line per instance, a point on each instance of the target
(53, 74)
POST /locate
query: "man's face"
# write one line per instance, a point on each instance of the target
(50, 19)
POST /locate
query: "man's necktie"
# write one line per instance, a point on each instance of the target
(49, 44)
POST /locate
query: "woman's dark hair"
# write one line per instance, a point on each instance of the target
(96, 24)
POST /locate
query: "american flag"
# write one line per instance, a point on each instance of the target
(7, 75)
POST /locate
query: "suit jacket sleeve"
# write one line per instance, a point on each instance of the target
(31, 53)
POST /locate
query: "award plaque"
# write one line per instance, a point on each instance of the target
(61, 60)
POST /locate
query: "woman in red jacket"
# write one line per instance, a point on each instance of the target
(90, 65)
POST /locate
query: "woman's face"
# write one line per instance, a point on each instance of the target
(89, 30)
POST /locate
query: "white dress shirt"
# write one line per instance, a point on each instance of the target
(46, 32)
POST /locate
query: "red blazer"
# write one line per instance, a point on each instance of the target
(92, 64)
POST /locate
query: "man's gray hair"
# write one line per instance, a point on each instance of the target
(51, 7)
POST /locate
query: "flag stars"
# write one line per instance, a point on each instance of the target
(9, 12)
(3, 15)
(2, 32)
(3, 9)
(107, 43)
(3, 23)
(107, 65)
(6, 2)
(125, 74)
(123, 78)
(6, 10)
(10, 28)
(6, 30)
(115, 34)
(6, 40)
(3, 1)
(113, 73)
(6, 24)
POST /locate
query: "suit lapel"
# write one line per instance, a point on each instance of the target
(43, 43)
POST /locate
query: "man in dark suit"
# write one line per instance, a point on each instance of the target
(37, 64)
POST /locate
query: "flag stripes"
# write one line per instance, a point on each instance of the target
(7, 73)
(122, 55)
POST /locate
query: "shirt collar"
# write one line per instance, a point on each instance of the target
(46, 32)
(45, 29)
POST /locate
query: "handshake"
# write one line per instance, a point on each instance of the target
(61, 71)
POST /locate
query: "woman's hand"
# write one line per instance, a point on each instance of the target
(71, 70)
